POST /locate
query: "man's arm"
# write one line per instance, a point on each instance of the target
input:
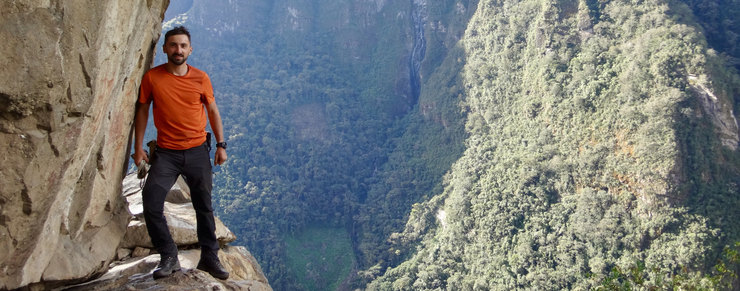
(142, 116)
(214, 117)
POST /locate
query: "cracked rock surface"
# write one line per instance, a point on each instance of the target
(68, 88)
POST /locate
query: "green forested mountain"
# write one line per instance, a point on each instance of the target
(475, 145)
(602, 135)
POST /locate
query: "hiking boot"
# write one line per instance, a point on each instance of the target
(214, 268)
(166, 267)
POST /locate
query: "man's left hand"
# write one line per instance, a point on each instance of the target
(220, 156)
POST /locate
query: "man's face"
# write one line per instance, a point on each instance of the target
(177, 47)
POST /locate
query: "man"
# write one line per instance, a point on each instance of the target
(179, 93)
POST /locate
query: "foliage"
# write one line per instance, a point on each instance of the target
(724, 275)
(318, 254)
(589, 149)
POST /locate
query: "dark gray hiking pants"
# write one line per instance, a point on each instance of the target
(194, 165)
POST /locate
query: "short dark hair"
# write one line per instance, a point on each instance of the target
(175, 31)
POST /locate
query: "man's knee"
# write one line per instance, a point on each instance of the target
(202, 204)
(153, 197)
(200, 195)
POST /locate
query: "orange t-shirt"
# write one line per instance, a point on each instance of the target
(179, 114)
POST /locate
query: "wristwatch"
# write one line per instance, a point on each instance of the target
(221, 145)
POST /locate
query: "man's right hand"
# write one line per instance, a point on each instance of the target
(142, 114)
(139, 155)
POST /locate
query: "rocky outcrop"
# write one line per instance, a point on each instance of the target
(179, 213)
(719, 111)
(68, 87)
(135, 274)
(136, 262)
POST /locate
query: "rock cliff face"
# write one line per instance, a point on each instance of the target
(69, 81)
(70, 75)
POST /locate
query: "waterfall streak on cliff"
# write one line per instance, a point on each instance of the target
(418, 17)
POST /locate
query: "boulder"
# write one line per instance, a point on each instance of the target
(68, 88)
(141, 252)
(180, 219)
(180, 192)
(123, 253)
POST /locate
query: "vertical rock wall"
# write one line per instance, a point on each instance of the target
(68, 87)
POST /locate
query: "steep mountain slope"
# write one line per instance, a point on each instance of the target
(602, 135)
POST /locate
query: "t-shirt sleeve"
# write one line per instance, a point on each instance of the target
(207, 96)
(145, 91)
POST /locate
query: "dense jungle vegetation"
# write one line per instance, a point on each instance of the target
(540, 144)
(589, 151)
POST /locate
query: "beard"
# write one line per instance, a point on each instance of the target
(172, 59)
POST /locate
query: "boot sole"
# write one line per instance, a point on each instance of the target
(160, 276)
(222, 277)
